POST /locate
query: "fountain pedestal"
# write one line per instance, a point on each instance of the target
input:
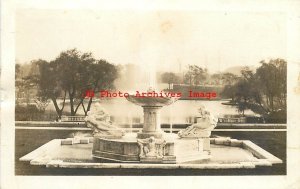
(151, 106)
(151, 123)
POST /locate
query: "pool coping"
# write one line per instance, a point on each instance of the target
(264, 158)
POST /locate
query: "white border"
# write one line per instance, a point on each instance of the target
(9, 180)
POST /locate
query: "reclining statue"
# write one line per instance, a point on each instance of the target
(99, 122)
(202, 129)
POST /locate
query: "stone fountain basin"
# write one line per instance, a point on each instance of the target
(225, 154)
(151, 101)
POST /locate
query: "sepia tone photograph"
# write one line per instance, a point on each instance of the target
(148, 93)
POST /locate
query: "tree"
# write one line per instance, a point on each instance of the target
(70, 75)
(243, 95)
(26, 80)
(195, 75)
(41, 103)
(229, 78)
(264, 91)
(224, 78)
(272, 79)
(18, 82)
(102, 77)
(229, 91)
(169, 78)
(72, 71)
(49, 85)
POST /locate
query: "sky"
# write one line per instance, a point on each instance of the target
(160, 40)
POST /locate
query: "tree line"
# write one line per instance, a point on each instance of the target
(66, 79)
(263, 91)
(196, 75)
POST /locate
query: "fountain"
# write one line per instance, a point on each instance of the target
(150, 148)
(152, 144)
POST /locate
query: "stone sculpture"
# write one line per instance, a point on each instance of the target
(151, 147)
(100, 123)
(202, 129)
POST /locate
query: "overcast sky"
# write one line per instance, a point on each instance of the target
(165, 39)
